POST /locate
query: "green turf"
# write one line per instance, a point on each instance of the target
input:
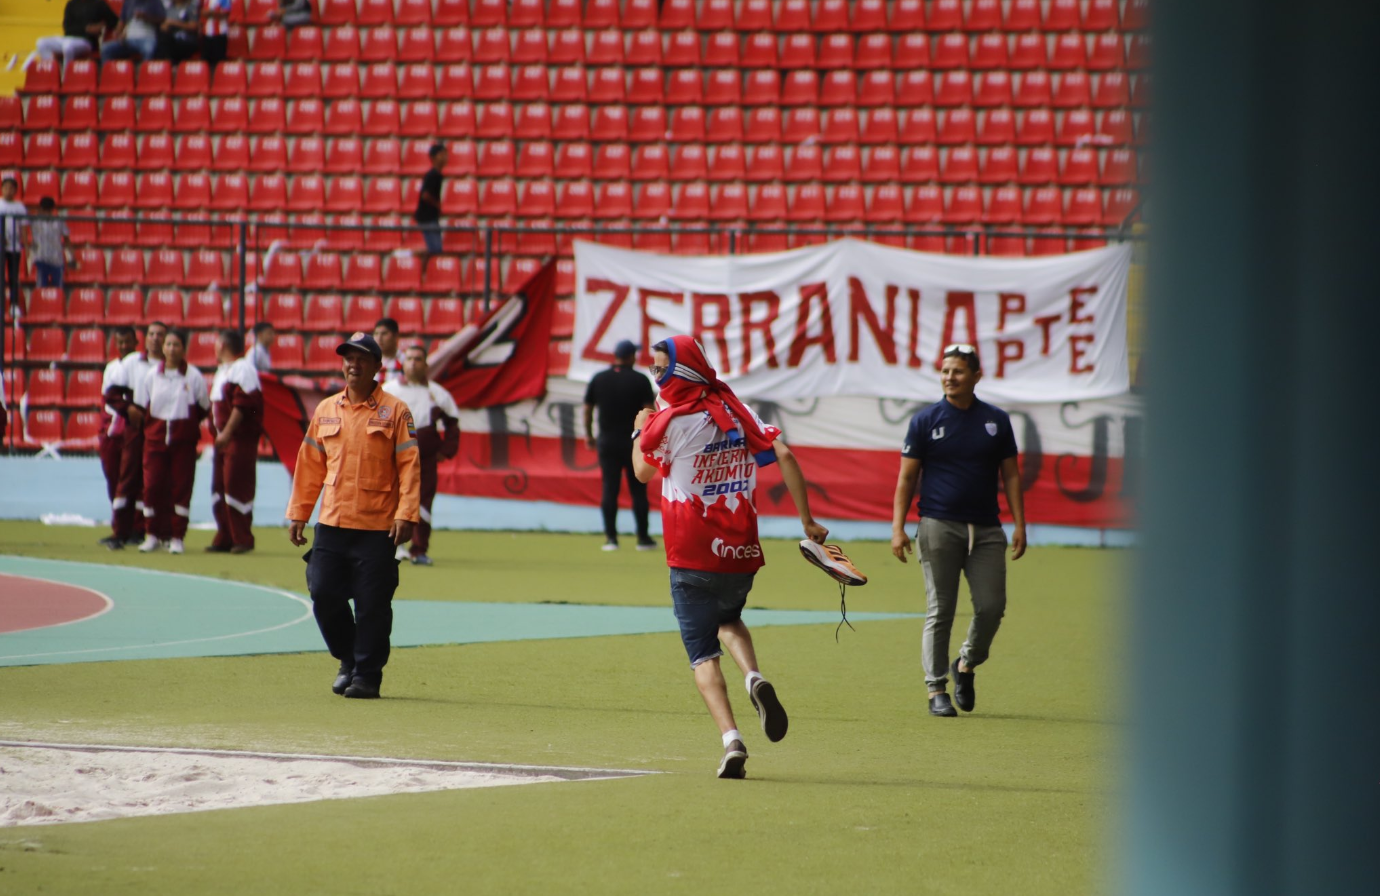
(867, 794)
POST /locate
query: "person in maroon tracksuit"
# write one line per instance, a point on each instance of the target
(237, 406)
(172, 400)
(438, 437)
(111, 439)
(127, 518)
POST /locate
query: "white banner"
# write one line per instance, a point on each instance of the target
(863, 319)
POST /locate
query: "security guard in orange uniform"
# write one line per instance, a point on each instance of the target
(362, 447)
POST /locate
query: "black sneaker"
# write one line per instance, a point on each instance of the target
(362, 690)
(111, 543)
(965, 695)
(646, 544)
(734, 763)
(769, 709)
(940, 705)
(343, 678)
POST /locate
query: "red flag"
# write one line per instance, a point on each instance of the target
(287, 413)
(502, 358)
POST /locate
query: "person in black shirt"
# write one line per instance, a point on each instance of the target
(83, 23)
(428, 215)
(619, 393)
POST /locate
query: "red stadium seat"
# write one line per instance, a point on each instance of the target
(843, 163)
(457, 120)
(1069, 52)
(1034, 127)
(763, 125)
(1080, 167)
(728, 164)
(79, 113)
(1112, 91)
(1075, 127)
(83, 389)
(919, 164)
(882, 165)
(1120, 168)
(283, 310)
(996, 127)
(89, 266)
(1029, 52)
(205, 309)
(805, 163)
(1120, 204)
(1043, 206)
(1061, 15)
(1040, 166)
(997, 165)
(1073, 91)
(575, 199)
(914, 88)
(443, 275)
(689, 162)
(653, 201)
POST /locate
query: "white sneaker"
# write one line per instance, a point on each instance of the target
(151, 544)
(401, 553)
(175, 546)
(610, 546)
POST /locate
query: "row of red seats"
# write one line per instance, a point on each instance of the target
(187, 187)
(286, 311)
(45, 428)
(722, 15)
(1071, 50)
(422, 119)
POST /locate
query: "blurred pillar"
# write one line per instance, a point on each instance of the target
(1255, 738)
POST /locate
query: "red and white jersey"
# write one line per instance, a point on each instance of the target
(391, 371)
(176, 401)
(236, 385)
(214, 25)
(136, 366)
(422, 399)
(708, 494)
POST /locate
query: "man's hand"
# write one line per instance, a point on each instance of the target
(642, 417)
(400, 532)
(1018, 543)
(295, 529)
(900, 545)
(222, 440)
(815, 532)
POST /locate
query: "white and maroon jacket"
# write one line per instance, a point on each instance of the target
(391, 370)
(430, 404)
(174, 402)
(236, 385)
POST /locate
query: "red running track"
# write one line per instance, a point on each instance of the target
(27, 603)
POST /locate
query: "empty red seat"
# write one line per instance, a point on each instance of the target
(1120, 204)
(205, 309)
(997, 165)
(1075, 126)
(126, 267)
(78, 189)
(957, 126)
(958, 165)
(1043, 206)
(805, 163)
(89, 266)
(283, 310)
(1040, 166)
(763, 125)
(79, 113)
(997, 126)
(1035, 126)
(165, 269)
(1028, 53)
(843, 163)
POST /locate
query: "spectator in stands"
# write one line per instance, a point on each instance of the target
(137, 34)
(173, 400)
(428, 214)
(264, 337)
(128, 520)
(215, 30)
(48, 239)
(83, 24)
(11, 239)
(178, 36)
(438, 436)
(111, 440)
(237, 408)
(386, 335)
(292, 13)
(620, 394)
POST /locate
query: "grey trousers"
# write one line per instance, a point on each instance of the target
(948, 548)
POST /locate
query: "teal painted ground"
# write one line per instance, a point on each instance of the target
(158, 615)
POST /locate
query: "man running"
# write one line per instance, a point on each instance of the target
(707, 446)
(962, 443)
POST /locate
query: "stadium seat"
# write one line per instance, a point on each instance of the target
(575, 198)
(843, 163)
(232, 116)
(126, 267)
(793, 15)
(996, 127)
(165, 269)
(728, 164)
(1076, 126)
(269, 155)
(804, 164)
(1120, 204)
(763, 125)
(45, 306)
(1119, 168)
(83, 389)
(653, 201)
(205, 309)
(1080, 167)
(689, 162)
(609, 123)
(1069, 52)
(1040, 166)
(78, 189)
(382, 196)
(1043, 206)
(89, 267)
(46, 344)
(997, 165)
(207, 267)
(87, 346)
(1112, 91)
(839, 88)
(283, 310)
(807, 203)
(882, 165)
(919, 164)
(993, 89)
(1028, 53)
(957, 126)
(840, 126)
(949, 51)
(1035, 127)
(231, 154)
(38, 429)
(914, 88)
(79, 113)
(457, 120)
(379, 44)
(46, 388)
(443, 275)
(1073, 91)
(282, 271)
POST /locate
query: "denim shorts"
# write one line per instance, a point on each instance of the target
(703, 602)
(431, 233)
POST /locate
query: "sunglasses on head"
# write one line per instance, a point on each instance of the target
(961, 348)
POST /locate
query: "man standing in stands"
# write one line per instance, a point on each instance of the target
(137, 35)
(264, 337)
(11, 239)
(237, 406)
(438, 435)
(620, 394)
(386, 335)
(215, 31)
(128, 518)
(428, 214)
(359, 456)
(114, 422)
(48, 239)
(178, 36)
(83, 23)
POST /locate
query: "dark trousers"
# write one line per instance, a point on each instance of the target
(421, 533)
(213, 47)
(615, 463)
(11, 273)
(127, 509)
(358, 564)
(169, 474)
(233, 480)
(110, 448)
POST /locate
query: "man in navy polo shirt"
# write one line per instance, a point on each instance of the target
(963, 444)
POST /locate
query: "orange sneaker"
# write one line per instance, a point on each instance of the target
(834, 562)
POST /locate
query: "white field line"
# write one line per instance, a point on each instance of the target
(572, 773)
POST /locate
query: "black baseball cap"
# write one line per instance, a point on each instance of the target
(362, 341)
(625, 348)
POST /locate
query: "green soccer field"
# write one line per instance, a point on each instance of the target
(867, 794)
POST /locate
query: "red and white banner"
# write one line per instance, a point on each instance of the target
(1077, 458)
(858, 318)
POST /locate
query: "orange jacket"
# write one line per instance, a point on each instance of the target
(362, 460)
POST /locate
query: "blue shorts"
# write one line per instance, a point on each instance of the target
(703, 602)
